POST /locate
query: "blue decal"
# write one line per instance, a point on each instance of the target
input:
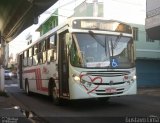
(114, 63)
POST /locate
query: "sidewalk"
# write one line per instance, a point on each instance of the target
(9, 112)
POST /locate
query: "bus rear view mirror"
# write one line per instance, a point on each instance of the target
(68, 39)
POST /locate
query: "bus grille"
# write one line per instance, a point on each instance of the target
(108, 73)
(115, 83)
(102, 92)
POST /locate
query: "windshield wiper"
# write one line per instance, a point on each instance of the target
(98, 40)
(117, 40)
(106, 44)
(113, 46)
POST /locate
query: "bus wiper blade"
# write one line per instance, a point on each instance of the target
(117, 40)
(105, 44)
(98, 40)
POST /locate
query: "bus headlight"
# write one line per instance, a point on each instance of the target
(81, 81)
(134, 77)
(76, 78)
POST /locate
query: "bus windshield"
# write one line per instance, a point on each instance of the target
(102, 51)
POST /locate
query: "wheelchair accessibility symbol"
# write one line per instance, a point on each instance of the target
(114, 63)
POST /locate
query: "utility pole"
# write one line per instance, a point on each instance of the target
(2, 48)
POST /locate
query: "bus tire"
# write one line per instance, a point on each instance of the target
(27, 87)
(53, 92)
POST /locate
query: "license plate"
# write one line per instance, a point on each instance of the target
(111, 90)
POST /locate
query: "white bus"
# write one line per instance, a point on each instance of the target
(81, 59)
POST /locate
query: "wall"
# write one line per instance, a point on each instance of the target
(146, 49)
(147, 60)
(152, 21)
(148, 73)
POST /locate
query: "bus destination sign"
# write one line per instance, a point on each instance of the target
(102, 25)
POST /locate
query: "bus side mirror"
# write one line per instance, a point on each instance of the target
(68, 39)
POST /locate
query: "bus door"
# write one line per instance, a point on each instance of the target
(63, 69)
(20, 69)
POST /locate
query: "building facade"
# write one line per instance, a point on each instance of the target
(147, 57)
(152, 22)
(146, 48)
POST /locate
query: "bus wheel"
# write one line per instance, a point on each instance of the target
(27, 87)
(53, 92)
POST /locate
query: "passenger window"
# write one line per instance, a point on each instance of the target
(52, 41)
(43, 51)
(43, 46)
(30, 52)
(30, 57)
(35, 49)
(25, 54)
(39, 55)
(35, 52)
(52, 49)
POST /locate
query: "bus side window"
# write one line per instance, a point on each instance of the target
(40, 59)
(35, 52)
(52, 49)
(44, 54)
(30, 57)
(25, 58)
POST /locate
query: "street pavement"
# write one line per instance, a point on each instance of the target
(13, 110)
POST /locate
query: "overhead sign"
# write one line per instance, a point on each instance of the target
(93, 24)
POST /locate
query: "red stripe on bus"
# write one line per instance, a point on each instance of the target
(38, 79)
(33, 71)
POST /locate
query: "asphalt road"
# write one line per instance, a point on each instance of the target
(119, 109)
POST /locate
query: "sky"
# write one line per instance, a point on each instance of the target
(130, 11)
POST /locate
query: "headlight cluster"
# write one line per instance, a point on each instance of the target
(81, 81)
(130, 79)
(76, 78)
(134, 77)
